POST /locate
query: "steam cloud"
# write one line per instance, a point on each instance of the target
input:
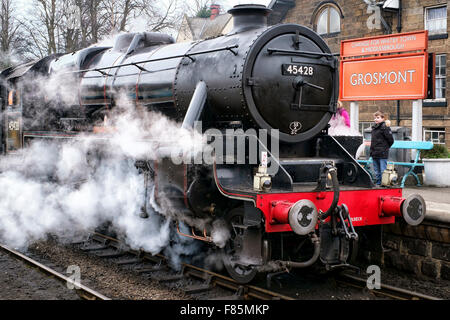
(67, 188)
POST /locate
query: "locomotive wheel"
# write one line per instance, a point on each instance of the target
(241, 273)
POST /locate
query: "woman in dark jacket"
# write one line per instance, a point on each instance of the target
(382, 140)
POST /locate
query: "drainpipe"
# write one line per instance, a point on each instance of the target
(399, 29)
(399, 16)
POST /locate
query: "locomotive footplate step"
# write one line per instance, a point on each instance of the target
(308, 161)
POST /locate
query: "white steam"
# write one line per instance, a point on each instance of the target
(220, 233)
(70, 187)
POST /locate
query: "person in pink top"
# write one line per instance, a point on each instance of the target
(343, 113)
(340, 123)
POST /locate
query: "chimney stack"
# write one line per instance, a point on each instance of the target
(215, 10)
(249, 16)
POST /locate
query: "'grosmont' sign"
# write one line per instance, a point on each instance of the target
(390, 67)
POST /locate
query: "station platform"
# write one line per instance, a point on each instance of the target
(436, 199)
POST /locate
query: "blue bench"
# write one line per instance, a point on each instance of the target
(414, 145)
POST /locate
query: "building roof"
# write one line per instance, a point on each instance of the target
(202, 28)
(279, 10)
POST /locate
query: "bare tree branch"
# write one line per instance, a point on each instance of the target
(59, 26)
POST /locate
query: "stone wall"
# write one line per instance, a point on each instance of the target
(422, 250)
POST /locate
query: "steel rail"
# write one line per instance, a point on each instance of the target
(250, 291)
(214, 279)
(385, 290)
(83, 291)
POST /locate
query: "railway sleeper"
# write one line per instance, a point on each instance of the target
(128, 262)
(207, 285)
(240, 294)
(94, 248)
(112, 255)
(198, 289)
(152, 269)
(173, 278)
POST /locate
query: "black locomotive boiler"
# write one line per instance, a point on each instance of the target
(315, 206)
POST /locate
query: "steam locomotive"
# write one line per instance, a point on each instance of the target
(304, 199)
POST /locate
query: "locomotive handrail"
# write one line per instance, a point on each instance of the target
(136, 64)
(299, 53)
(103, 72)
(141, 68)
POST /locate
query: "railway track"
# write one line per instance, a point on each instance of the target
(209, 280)
(206, 280)
(200, 281)
(385, 290)
(83, 291)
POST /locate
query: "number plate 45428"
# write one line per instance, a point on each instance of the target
(297, 70)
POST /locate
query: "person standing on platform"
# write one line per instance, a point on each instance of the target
(343, 113)
(381, 142)
(340, 123)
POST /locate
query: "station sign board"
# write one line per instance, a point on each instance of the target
(390, 67)
(394, 43)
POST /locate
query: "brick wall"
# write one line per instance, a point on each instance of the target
(357, 17)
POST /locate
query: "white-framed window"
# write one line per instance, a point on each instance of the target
(435, 135)
(436, 20)
(441, 75)
(328, 20)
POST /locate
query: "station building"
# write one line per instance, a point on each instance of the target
(350, 19)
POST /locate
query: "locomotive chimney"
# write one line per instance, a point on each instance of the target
(215, 11)
(249, 16)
